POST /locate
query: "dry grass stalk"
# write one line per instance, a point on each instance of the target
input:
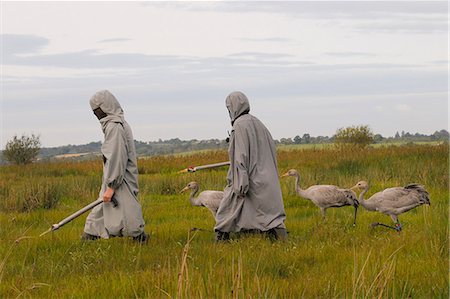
(183, 267)
(237, 278)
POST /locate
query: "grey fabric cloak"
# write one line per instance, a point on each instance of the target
(119, 173)
(252, 198)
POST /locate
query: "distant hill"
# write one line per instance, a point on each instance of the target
(152, 148)
(93, 147)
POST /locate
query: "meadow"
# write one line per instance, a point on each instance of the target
(330, 259)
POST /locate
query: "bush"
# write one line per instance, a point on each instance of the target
(22, 150)
(359, 136)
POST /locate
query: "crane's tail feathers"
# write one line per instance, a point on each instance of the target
(424, 195)
(352, 199)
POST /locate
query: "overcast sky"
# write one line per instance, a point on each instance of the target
(306, 67)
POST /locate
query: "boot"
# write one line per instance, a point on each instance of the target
(142, 238)
(222, 236)
(277, 234)
(88, 237)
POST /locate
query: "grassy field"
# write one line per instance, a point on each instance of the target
(329, 259)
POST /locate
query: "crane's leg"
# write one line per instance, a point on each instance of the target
(382, 224)
(397, 227)
(354, 219)
(324, 213)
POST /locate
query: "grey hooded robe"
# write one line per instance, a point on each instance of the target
(119, 172)
(252, 198)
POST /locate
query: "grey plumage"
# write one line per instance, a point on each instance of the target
(209, 198)
(393, 201)
(325, 196)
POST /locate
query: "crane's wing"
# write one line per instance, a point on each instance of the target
(211, 199)
(387, 197)
(397, 200)
(328, 196)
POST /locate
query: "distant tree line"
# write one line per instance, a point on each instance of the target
(351, 135)
(305, 139)
(174, 146)
(442, 135)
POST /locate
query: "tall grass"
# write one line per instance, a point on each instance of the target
(328, 259)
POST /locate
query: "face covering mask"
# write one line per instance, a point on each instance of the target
(99, 113)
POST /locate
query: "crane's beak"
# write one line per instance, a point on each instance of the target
(354, 188)
(184, 189)
(285, 175)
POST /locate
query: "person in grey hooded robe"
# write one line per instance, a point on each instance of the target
(252, 200)
(120, 176)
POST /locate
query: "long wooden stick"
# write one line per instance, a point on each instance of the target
(208, 166)
(76, 214)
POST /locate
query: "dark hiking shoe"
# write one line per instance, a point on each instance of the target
(88, 237)
(222, 237)
(142, 238)
(277, 234)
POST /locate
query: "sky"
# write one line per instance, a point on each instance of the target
(306, 67)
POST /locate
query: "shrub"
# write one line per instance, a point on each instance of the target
(359, 136)
(22, 150)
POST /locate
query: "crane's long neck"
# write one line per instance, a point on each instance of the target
(361, 198)
(298, 189)
(194, 201)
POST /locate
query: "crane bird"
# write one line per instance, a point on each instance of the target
(325, 196)
(208, 198)
(393, 201)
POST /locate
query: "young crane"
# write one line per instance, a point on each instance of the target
(393, 201)
(208, 198)
(325, 196)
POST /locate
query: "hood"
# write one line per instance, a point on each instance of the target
(237, 104)
(109, 104)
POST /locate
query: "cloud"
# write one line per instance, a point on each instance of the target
(416, 17)
(94, 59)
(17, 44)
(350, 54)
(439, 62)
(403, 108)
(114, 40)
(411, 25)
(276, 74)
(322, 9)
(260, 55)
(266, 39)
